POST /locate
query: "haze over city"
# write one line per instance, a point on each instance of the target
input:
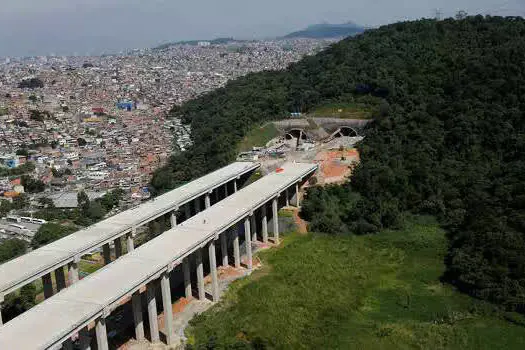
(66, 27)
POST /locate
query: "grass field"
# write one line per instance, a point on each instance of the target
(259, 136)
(368, 292)
(343, 110)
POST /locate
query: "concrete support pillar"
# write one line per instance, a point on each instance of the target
(200, 274)
(187, 211)
(60, 279)
(248, 242)
(207, 201)
(236, 248)
(107, 253)
(226, 190)
(48, 285)
(264, 224)
(286, 198)
(197, 205)
(213, 272)
(234, 186)
(102, 335)
(297, 200)
(216, 194)
(187, 277)
(130, 245)
(224, 248)
(136, 304)
(73, 272)
(173, 219)
(152, 313)
(168, 311)
(253, 227)
(275, 221)
(118, 247)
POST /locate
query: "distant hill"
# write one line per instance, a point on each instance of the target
(448, 138)
(326, 30)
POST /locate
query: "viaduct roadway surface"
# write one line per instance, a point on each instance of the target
(23, 270)
(51, 322)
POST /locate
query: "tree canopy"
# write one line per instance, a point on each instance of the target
(31, 83)
(448, 139)
(11, 248)
(50, 232)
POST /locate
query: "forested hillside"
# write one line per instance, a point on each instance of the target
(448, 138)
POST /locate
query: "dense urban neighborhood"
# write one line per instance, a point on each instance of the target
(94, 124)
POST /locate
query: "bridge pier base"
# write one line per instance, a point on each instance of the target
(107, 253)
(48, 285)
(168, 311)
(197, 205)
(275, 220)
(102, 335)
(136, 304)
(187, 211)
(236, 248)
(264, 224)
(213, 272)
(152, 313)
(73, 272)
(130, 245)
(248, 242)
(207, 201)
(173, 219)
(200, 275)
(118, 247)
(224, 248)
(60, 279)
(253, 227)
(187, 277)
(295, 198)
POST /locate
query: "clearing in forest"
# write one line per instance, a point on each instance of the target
(355, 292)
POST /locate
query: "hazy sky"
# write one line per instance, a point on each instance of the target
(39, 27)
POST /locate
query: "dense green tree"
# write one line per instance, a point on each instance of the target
(22, 152)
(81, 142)
(5, 207)
(31, 83)
(447, 138)
(50, 232)
(83, 201)
(32, 185)
(46, 202)
(95, 211)
(11, 248)
(25, 168)
(17, 303)
(112, 199)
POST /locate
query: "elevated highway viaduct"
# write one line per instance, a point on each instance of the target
(182, 202)
(140, 274)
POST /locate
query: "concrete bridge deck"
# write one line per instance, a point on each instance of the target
(52, 322)
(29, 267)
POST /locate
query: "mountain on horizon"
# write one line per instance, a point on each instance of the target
(327, 30)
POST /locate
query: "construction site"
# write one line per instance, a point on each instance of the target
(329, 142)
